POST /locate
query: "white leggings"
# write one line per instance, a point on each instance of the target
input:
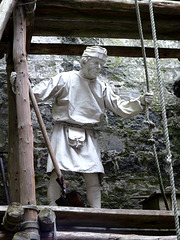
(92, 189)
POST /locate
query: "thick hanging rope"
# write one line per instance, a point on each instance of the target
(165, 125)
(142, 43)
(149, 123)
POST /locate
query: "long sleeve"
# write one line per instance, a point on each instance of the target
(49, 88)
(121, 107)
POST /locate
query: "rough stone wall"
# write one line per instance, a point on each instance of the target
(126, 154)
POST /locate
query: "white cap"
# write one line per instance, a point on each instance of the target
(95, 51)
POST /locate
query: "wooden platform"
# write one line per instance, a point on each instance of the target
(105, 18)
(100, 19)
(92, 18)
(92, 236)
(88, 223)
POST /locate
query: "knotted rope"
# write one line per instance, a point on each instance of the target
(150, 124)
(165, 125)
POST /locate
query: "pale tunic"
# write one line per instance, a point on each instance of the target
(79, 101)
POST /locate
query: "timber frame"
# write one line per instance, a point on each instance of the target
(93, 18)
(22, 19)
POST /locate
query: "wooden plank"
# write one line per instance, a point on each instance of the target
(120, 218)
(6, 8)
(121, 28)
(109, 218)
(62, 235)
(94, 236)
(115, 218)
(77, 49)
(124, 5)
(121, 51)
(92, 18)
(106, 18)
(111, 221)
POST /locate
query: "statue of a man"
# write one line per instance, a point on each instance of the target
(79, 106)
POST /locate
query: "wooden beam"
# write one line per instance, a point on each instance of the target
(62, 235)
(30, 10)
(69, 217)
(70, 220)
(25, 132)
(119, 5)
(124, 26)
(106, 18)
(77, 49)
(118, 51)
(6, 8)
(13, 154)
(92, 18)
(23, 110)
(113, 218)
(13, 217)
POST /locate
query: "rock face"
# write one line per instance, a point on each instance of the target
(126, 153)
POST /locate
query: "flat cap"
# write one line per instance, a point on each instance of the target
(95, 51)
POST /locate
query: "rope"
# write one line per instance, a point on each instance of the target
(150, 124)
(27, 5)
(165, 125)
(142, 43)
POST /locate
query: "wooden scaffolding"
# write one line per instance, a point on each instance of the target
(19, 21)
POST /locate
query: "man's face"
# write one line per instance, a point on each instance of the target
(93, 67)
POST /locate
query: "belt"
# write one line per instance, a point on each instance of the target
(84, 126)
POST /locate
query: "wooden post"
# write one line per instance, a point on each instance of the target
(21, 236)
(25, 133)
(47, 219)
(13, 217)
(6, 8)
(13, 154)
